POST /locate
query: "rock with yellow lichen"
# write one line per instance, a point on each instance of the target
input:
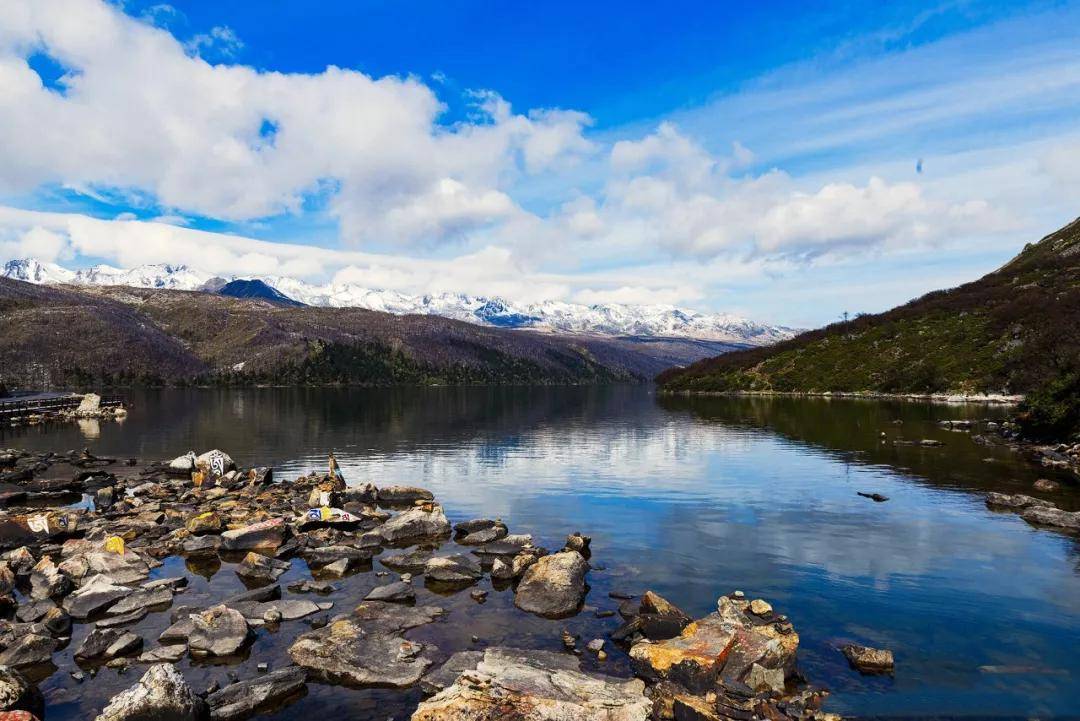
(720, 648)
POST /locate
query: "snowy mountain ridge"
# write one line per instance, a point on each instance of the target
(609, 319)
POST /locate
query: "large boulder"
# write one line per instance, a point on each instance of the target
(535, 686)
(415, 524)
(554, 586)
(161, 694)
(247, 698)
(1015, 501)
(720, 648)
(89, 406)
(18, 694)
(367, 648)
(218, 631)
(217, 462)
(264, 536)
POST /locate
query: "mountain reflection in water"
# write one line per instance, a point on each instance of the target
(695, 497)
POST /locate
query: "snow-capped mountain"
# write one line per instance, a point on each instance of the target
(611, 319)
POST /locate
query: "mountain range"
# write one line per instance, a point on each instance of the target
(610, 319)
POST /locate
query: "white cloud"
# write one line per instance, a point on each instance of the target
(141, 113)
(220, 42)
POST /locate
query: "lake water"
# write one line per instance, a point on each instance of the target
(692, 498)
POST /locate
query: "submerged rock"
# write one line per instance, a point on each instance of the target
(868, 660)
(535, 686)
(458, 569)
(1046, 516)
(246, 698)
(554, 586)
(367, 648)
(161, 694)
(397, 592)
(1015, 501)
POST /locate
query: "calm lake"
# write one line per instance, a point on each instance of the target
(692, 498)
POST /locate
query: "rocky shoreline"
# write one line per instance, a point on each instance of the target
(84, 563)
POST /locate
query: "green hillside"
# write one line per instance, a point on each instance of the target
(1012, 331)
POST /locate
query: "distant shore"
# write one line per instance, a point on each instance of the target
(946, 398)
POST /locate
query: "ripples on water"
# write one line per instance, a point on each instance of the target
(698, 497)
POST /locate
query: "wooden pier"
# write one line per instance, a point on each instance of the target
(18, 409)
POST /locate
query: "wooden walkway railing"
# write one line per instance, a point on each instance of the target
(15, 409)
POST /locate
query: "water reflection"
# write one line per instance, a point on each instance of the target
(695, 497)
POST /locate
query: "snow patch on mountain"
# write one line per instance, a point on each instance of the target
(610, 319)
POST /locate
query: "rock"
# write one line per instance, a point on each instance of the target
(579, 543)
(765, 679)
(454, 570)
(202, 546)
(164, 654)
(257, 568)
(247, 698)
(554, 586)
(931, 443)
(596, 645)
(290, 610)
(326, 555)
(264, 536)
(722, 647)
(183, 464)
(397, 592)
(204, 523)
(464, 528)
(218, 631)
(1015, 501)
(120, 568)
(21, 560)
(89, 406)
(160, 695)
(414, 524)
(217, 462)
(305, 586)
(693, 708)
(123, 619)
(868, 660)
(365, 649)
(29, 650)
(141, 599)
(95, 595)
(397, 495)
(484, 535)
(46, 581)
(105, 644)
(502, 570)
(448, 673)
(412, 561)
(758, 607)
(1044, 516)
(1046, 485)
(18, 694)
(534, 686)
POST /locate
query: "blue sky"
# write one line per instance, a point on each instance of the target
(787, 161)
